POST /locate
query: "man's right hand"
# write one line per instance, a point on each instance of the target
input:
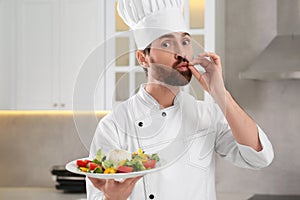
(115, 190)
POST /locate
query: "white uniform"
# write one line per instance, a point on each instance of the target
(192, 175)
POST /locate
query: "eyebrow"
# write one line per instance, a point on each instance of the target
(172, 36)
(185, 34)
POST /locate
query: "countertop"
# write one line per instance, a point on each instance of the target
(35, 193)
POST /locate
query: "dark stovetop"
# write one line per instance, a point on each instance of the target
(275, 197)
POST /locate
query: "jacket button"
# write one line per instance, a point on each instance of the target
(151, 196)
(164, 114)
(140, 124)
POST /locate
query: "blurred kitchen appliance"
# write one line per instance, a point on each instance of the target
(67, 181)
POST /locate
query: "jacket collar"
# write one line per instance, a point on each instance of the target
(149, 101)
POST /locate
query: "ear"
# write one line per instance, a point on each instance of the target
(141, 57)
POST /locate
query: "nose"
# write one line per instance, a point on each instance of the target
(180, 58)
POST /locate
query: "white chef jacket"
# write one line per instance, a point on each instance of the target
(197, 129)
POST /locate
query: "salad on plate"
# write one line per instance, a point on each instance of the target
(118, 161)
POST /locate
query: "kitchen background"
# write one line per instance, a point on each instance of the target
(43, 44)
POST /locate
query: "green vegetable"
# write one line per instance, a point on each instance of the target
(107, 164)
(155, 157)
(97, 161)
(138, 165)
(100, 156)
(128, 163)
(137, 157)
(98, 170)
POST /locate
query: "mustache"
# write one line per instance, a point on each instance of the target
(179, 59)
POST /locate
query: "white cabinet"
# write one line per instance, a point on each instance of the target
(6, 79)
(37, 54)
(54, 37)
(81, 32)
(3, 69)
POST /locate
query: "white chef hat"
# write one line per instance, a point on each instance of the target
(151, 19)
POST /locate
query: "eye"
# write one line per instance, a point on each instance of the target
(186, 42)
(166, 44)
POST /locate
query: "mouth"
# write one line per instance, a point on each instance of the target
(182, 66)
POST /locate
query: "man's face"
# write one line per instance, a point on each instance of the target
(169, 57)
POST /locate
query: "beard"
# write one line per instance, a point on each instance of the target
(170, 75)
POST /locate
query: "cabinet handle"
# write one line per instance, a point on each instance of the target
(55, 105)
(62, 105)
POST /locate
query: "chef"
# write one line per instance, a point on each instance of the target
(161, 118)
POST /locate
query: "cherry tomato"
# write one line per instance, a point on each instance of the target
(149, 164)
(82, 163)
(92, 166)
(125, 169)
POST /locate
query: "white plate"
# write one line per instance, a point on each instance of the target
(72, 167)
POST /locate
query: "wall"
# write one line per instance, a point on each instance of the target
(288, 17)
(275, 105)
(32, 142)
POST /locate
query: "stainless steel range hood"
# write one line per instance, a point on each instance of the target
(280, 60)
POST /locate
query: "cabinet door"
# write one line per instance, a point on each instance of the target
(37, 55)
(7, 54)
(81, 32)
(4, 68)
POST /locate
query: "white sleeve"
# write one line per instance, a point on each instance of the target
(259, 159)
(105, 138)
(240, 155)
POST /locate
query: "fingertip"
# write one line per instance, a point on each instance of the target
(110, 181)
